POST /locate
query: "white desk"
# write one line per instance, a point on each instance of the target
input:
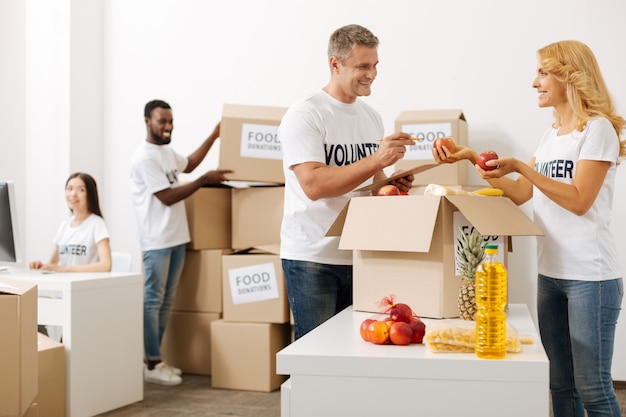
(333, 372)
(102, 319)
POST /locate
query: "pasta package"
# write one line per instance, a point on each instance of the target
(456, 335)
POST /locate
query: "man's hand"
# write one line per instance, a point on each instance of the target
(393, 147)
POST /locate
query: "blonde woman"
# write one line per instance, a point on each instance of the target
(571, 179)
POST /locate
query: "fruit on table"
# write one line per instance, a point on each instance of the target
(447, 142)
(485, 156)
(395, 325)
(388, 189)
(400, 312)
(378, 332)
(418, 328)
(363, 329)
(400, 333)
(470, 253)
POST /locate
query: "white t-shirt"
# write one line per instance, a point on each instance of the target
(156, 168)
(321, 129)
(79, 245)
(577, 247)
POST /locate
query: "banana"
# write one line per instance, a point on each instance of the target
(490, 191)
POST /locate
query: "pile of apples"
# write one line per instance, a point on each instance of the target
(398, 325)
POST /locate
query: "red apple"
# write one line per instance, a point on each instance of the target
(400, 333)
(419, 329)
(483, 157)
(400, 312)
(388, 190)
(447, 142)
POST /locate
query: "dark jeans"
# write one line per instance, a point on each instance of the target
(316, 292)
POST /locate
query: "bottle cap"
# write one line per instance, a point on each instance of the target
(491, 249)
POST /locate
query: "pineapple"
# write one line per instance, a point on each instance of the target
(470, 253)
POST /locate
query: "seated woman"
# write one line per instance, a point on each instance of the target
(82, 240)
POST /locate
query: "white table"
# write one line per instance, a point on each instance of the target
(101, 315)
(333, 372)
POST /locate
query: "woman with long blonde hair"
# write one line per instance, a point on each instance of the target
(571, 179)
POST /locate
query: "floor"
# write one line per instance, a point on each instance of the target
(195, 398)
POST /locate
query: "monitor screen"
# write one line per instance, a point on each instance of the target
(10, 251)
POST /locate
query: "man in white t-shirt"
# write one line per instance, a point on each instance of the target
(332, 144)
(158, 199)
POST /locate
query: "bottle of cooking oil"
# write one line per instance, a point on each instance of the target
(491, 294)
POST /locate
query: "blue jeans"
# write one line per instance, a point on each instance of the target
(577, 324)
(316, 292)
(162, 269)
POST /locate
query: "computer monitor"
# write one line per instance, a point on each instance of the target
(10, 249)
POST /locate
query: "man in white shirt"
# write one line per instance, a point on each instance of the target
(158, 199)
(332, 144)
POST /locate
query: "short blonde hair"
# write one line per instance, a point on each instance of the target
(345, 38)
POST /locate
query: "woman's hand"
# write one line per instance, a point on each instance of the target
(443, 155)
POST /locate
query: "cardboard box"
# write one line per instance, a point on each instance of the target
(431, 125)
(33, 411)
(254, 288)
(209, 218)
(243, 355)
(415, 258)
(51, 396)
(200, 286)
(257, 216)
(249, 143)
(187, 341)
(18, 346)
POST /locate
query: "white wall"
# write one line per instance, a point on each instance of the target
(478, 56)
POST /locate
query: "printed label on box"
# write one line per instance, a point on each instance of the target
(460, 222)
(253, 283)
(430, 132)
(260, 141)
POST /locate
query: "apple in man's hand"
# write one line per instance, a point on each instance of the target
(447, 142)
(388, 189)
(485, 156)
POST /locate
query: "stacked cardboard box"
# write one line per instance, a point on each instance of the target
(51, 386)
(249, 143)
(18, 348)
(230, 227)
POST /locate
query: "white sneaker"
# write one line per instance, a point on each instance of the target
(172, 369)
(161, 375)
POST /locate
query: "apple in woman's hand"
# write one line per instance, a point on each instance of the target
(483, 157)
(447, 142)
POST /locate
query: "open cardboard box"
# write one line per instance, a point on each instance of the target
(405, 245)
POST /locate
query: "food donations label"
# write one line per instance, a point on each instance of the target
(253, 283)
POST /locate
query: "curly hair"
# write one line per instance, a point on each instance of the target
(574, 64)
(345, 38)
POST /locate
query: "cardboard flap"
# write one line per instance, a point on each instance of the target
(415, 170)
(14, 287)
(337, 227)
(273, 249)
(394, 223)
(431, 115)
(502, 217)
